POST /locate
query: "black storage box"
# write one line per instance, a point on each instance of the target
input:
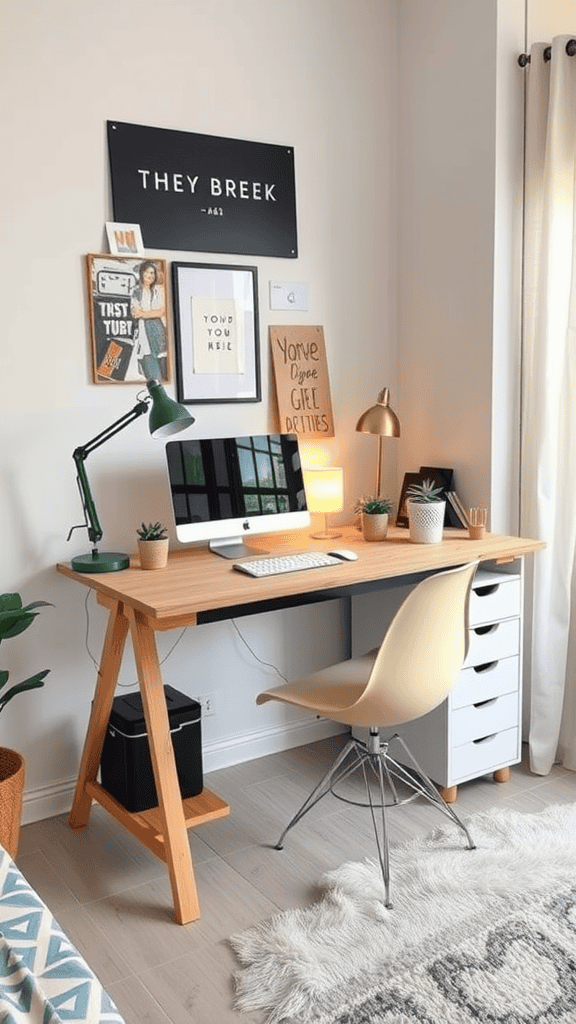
(126, 765)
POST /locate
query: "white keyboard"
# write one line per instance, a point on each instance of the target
(273, 566)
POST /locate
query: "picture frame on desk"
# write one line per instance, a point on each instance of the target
(441, 477)
(216, 333)
(409, 480)
(454, 508)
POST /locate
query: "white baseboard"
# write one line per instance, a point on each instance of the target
(248, 746)
(48, 801)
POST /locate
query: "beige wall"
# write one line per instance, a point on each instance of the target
(318, 76)
(447, 152)
(460, 192)
(549, 18)
(405, 117)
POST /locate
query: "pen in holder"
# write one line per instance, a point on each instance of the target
(477, 519)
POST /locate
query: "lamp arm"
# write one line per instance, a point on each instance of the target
(90, 514)
(114, 428)
(80, 455)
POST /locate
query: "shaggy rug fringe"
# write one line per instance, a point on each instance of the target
(308, 966)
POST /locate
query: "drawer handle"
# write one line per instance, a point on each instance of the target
(488, 666)
(488, 590)
(486, 739)
(484, 630)
(484, 703)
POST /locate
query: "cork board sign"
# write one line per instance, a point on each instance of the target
(302, 382)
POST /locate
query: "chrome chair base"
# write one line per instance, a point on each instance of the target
(378, 766)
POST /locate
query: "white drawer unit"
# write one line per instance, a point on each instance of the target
(493, 641)
(486, 754)
(495, 596)
(484, 718)
(486, 680)
(476, 730)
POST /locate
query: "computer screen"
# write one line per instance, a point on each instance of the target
(228, 488)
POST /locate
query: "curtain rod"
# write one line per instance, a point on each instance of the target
(524, 58)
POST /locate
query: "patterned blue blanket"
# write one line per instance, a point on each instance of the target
(43, 978)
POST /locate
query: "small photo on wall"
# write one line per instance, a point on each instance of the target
(128, 319)
(124, 239)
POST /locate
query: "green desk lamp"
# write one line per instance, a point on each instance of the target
(166, 417)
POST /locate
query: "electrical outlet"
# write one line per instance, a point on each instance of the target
(208, 706)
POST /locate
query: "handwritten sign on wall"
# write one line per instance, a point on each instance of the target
(302, 381)
(218, 330)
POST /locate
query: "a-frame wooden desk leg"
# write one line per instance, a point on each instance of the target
(177, 849)
(112, 652)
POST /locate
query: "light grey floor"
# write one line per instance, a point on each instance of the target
(113, 898)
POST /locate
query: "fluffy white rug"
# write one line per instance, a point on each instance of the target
(474, 935)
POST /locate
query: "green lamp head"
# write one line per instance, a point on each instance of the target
(166, 416)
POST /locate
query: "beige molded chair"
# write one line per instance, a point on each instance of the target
(412, 671)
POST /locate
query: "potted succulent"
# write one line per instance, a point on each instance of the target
(372, 517)
(14, 619)
(153, 544)
(426, 509)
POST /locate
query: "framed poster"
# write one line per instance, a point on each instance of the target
(128, 327)
(216, 333)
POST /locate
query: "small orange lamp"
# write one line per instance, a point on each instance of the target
(324, 493)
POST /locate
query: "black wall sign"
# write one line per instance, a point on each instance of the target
(201, 193)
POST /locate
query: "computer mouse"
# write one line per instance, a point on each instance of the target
(346, 556)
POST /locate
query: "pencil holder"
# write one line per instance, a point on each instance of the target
(477, 520)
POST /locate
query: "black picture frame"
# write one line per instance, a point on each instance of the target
(216, 333)
(444, 477)
(440, 477)
(402, 514)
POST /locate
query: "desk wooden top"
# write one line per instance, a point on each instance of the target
(196, 580)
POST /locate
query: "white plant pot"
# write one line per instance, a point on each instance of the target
(374, 526)
(426, 520)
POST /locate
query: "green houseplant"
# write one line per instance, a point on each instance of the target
(372, 516)
(153, 545)
(14, 619)
(426, 508)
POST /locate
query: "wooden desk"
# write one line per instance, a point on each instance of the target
(198, 586)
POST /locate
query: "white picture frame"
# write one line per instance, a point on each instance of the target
(124, 239)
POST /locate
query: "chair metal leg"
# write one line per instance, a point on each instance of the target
(377, 761)
(375, 757)
(430, 791)
(319, 791)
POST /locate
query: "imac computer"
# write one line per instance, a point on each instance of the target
(229, 488)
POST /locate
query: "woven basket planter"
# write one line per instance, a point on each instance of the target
(154, 553)
(11, 789)
(426, 521)
(374, 526)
